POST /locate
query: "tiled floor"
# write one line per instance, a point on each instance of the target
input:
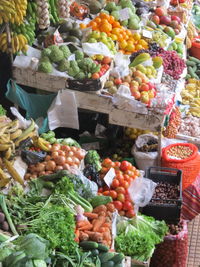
(194, 243)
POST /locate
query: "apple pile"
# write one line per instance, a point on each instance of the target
(170, 24)
(177, 2)
(104, 62)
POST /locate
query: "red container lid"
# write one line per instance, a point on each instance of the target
(196, 42)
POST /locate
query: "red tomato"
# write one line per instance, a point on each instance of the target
(124, 184)
(128, 180)
(107, 162)
(127, 205)
(118, 172)
(106, 60)
(125, 165)
(129, 173)
(100, 190)
(120, 190)
(130, 213)
(95, 75)
(104, 170)
(115, 183)
(137, 173)
(113, 194)
(106, 193)
(121, 197)
(117, 164)
(119, 177)
(117, 81)
(118, 205)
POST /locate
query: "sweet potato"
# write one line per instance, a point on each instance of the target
(100, 208)
(99, 222)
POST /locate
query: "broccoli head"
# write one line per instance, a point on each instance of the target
(65, 50)
(93, 158)
(45, 67)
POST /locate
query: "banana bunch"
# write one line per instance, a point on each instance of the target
(191, 33)
(28, 27)
(7, 10)
(20, 12)
(19, 43)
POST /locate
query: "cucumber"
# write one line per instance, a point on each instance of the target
(195, 68)
(108, 264)
(107, 256)
(54, 176)
(194, 59)
(118, 258)
(188, 76)
(190, 63)
(103, 248)
(88, 245)
(95, 252)
(191, 72)
(100, 200)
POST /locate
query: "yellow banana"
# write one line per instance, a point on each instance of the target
(4, 147)
(16, 134)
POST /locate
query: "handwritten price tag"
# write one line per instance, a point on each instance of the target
(124, 14)
(147, 34)
(109, 177)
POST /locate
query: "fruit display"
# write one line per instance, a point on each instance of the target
(177, 46)
(70, 32)
(128, 42)
(132, 21)
(174, 124)
(193, 67)
(125, 173)
(96, 36)
(190, 96)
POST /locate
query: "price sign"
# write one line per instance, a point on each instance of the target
(110, 175)
(124, 14)
(147, 34)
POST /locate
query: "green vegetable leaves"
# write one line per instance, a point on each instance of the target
(2, 111)
(138, 236)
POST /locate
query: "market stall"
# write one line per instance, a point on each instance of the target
(102, 200)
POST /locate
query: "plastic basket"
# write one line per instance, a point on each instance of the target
(170, 211)
(189, 166)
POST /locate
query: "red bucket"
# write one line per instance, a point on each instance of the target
(195, 49)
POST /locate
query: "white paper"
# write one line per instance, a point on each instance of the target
(20, 166)
(124, 14)
(110, 175)
(63, 111)
(147, 34)
(100, 48)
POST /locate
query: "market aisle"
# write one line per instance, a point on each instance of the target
(194, 243)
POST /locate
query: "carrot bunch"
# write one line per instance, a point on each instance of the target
(97, 226)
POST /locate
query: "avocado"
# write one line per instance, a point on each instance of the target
(64, 36)
(77, 33)
(170, 32)
(95, 7)
(73, 39)
(65, 27)
(151, 24)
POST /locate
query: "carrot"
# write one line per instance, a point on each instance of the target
(106, 224)
(108, 220)
(109, 214)
(93, 221)
(102, 229)
(100, 208)
(102, 213)
(88, 226)
(107, 236)
(94, 236)
(77, 235)
(91, 215)
(98, 223)
(83, 236)
(82, 223)
(110, 207)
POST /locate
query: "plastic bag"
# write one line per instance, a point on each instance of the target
(144, 159)
(89, 184)
(121, 66)
(92, 49)
(141, 191)
(23, 123)
(33, 157)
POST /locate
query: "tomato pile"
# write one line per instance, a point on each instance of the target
(125, 174)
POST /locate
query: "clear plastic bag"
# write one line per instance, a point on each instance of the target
(141, 191)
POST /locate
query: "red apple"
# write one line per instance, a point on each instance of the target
(177, 31)
(136, 94)
(117, 81)
(144, 87)
(176, 18)
(156, 19)
(160, 11)
(151, 85)
(165, 20)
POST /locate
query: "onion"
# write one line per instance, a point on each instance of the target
(76, 161)
(60, 160)
(65, 148)
(50, 166)
(74, 149)
(55, 147)
(54, 154)
(59, 167)
(48, 172)
(69, 160)
(33, 176)
(71, 154)
(27, 176)
(47, 158)
(61, 153)
(66, 166)
(80, 154)
(42, 173)
(40, 167)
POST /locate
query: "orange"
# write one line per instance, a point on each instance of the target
(83, 26)
(136, 36)
(106, 27)
(130, 47)
(94, 25)
(113, 36)
(111, 19)
(104, 21)
(97, 20)
(116, 24)
(120, 37)
(115, 31)
(128, 32)
(104, 16)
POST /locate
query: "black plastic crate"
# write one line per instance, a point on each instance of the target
(170, 211)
